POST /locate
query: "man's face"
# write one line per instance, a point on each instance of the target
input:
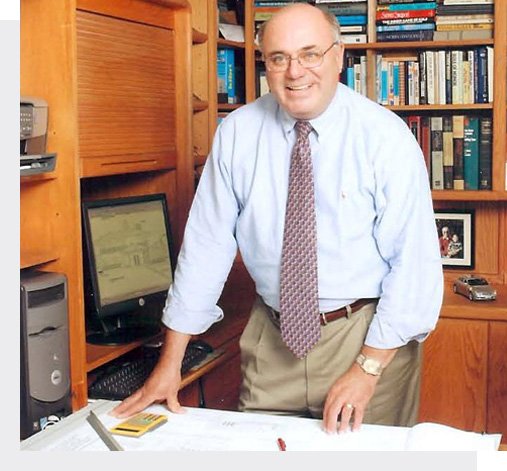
(303, 93)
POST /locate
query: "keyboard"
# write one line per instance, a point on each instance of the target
(121, 378)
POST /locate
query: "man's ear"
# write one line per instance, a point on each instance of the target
(339, 51)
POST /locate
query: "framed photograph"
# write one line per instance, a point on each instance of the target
(456, 237)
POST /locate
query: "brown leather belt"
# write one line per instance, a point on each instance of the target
(326, 317)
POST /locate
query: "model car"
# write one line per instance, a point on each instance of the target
(474, 288)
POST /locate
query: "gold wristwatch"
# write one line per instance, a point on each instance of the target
(369, 365)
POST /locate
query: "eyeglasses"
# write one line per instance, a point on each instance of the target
(308, 59)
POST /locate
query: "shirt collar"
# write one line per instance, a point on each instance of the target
(322, 123)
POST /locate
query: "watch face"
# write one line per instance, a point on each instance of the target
(371, 366)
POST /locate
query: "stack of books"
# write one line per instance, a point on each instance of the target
(464, 19)
(405, 20)
(352, 16)
(354, 71)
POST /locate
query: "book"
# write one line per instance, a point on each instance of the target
(485, 152)
(437, 157)
(471, 153)
(482, 72)
(458, 130)
(460, 35)
(351, 38)
(447, 152)
(426, 142)
(400, 14)
(407, 6)
(418, 35)
(406, 27)
(221, 76)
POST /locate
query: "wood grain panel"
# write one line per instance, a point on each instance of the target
(497, 379)
(126, 91)
(454, 375)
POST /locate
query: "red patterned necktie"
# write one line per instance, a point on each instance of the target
(299, 303)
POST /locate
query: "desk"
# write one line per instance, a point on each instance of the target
(216, 430)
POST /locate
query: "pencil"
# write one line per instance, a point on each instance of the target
(281, 444)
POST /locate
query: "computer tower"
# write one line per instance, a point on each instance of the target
(44, 357)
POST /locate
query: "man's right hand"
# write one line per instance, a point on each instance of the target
(163, 383)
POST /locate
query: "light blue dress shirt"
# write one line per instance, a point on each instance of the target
(375, 223)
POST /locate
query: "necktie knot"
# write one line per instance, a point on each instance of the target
(303, 129)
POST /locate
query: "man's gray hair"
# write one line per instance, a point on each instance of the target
(330, 18)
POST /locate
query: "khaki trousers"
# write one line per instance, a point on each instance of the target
(275, 381)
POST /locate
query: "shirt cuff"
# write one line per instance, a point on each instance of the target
(184, 320)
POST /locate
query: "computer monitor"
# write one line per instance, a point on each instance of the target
(128, 266)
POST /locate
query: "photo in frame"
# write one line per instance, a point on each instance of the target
(456, 237)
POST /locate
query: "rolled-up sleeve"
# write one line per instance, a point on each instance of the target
(208, 249)
(405, 231)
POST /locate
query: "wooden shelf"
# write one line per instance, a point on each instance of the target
(421, 44)
(34, 258)
(42, 177)
(228, 106)
(199, 105)
(98, 355)
(459, 307)
(454, 107)
(465, 195)
(198, 37)
(221, 42)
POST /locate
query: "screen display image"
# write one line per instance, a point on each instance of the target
(128, 261)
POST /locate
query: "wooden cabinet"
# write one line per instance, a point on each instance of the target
(116, 76)
(464, 382)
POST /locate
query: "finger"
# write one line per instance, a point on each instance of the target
(330, 417)
(358, 419)
(174, 406)
(346, 414)
(120, 408)
(136, 403)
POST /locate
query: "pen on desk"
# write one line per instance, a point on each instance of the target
(281, 444)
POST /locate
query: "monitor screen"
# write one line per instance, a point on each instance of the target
(128, 264)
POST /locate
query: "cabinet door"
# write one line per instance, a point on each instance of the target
(454, 377)
(497, 379)
(221, 386)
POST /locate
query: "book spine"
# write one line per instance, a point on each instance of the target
(423, 97)
(437, 157)
(420, 35)
(471, 153)
(458, 141)
(404, 21)
(221, 76)
(231, 77)
(485, 151)
(407, 27)
(407, 6)
(426, 143)
(395, 15)
(447, 152)
(482, 71)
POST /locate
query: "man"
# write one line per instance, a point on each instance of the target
(444, 241)
(379, 269)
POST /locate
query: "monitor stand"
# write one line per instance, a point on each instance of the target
(122, 335)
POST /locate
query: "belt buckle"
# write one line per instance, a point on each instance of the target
(323, 318)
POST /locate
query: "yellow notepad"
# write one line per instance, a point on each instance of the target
(139, 424)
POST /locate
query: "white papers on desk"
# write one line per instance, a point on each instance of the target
(210, 430)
